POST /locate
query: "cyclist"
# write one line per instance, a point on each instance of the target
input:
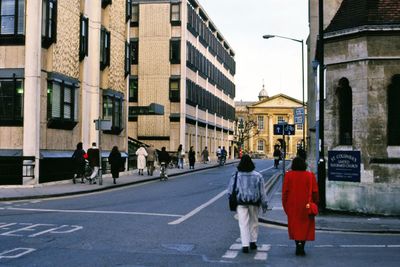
(163, 159)
(218, 152)
(223, 156)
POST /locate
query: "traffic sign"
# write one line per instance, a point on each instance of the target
(289, 129)
(299, 115)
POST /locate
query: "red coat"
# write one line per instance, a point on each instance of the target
(295, 196)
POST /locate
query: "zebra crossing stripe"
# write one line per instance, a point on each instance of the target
(235, 247)
(230, 254)
(261, 256)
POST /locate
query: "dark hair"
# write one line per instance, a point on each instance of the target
(246, 164)
(79, 146)
(163, 148)
(299, 164)
(94, 144)
(114, 149)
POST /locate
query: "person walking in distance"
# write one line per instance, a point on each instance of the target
(151, 157)
(250, 194)
(79, 161)
(180, 155)
(277, 156)
(298, 187)
(205, 155)
(192, 158)
(141, 154)
(115, 161)
(94, 161)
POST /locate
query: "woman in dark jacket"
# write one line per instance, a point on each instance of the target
(79, 162)
(192, 158)
(115, 160)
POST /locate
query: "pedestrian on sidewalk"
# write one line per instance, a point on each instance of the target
(277, 156)
(205, 155)
(151, 157)
(297, 186)
(192, 158)
(94, 161)
(250, 194)
(141, 154)
(79, 162)
(115, 161)
(180, 155)
(163, 160)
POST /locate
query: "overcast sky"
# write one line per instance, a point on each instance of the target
(276, 61)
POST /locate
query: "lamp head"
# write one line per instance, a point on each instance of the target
(268, 36)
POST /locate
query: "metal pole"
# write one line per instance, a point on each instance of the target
(101, 163)
(304, 111)
(284, 152)
(321, 162)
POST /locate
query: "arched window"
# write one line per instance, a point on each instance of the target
(393, 102)
(345, 112)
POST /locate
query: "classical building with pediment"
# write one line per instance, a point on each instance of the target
(264, 114)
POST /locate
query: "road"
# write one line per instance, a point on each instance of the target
(182, 222)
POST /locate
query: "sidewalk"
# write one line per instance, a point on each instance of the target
(67, 188)
(332, 221)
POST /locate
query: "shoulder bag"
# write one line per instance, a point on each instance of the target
(232, 197)
(312, 208)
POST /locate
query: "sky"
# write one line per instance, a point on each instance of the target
(275, 62)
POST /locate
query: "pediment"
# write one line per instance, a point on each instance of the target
(277, 101)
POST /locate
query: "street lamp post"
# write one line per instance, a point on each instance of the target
(267, 36)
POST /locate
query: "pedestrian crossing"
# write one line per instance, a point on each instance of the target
(261, 254)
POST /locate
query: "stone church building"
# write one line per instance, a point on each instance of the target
(362, 100)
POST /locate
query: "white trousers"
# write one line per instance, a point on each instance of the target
(248, 224)
(95, 172)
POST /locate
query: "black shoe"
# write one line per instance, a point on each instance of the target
(253, 245)
(115, 181)
(245, 249)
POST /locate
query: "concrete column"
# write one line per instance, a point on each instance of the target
(197, 129)
(91, 76)
(32, 84)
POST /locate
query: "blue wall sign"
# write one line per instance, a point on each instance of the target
(344, 166)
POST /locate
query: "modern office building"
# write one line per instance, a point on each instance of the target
(61, 68)
(181, 87)
(362, 95)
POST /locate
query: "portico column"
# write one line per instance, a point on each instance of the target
(271, 134)
(32, 85)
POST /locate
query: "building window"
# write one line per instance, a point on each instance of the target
(393, 126)
(49, 22)
(135, 15)
(260, 145)
(174, 90)
(260, 122)
(62, 105)
(175, 51)
(105, 3)
(134, 51)
(12, 21)
(281, 119)
(11, 102)
(112, 110)
(127, 59)
(133, 89)
(299, 126)
(128, 9)
(175, 14)
(105, 43)
(345, 106)
(84, 38)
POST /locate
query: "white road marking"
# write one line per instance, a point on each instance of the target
(56, 230)
(266, 169)
(323, 246)
(393, 246)
(235, 247)
(261, 256)
(99, 212)
(264, 248)
(198, 209)
(22, 251)
(230, 254)
(362, 246)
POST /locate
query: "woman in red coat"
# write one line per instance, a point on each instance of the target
(295, 195)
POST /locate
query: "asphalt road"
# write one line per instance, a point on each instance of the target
(182, 222)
